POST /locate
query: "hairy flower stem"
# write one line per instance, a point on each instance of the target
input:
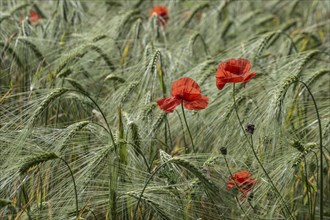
(231, 174)
(239, 204)
(257, 158)
(74, 186)
(184, 136)
(185, 121)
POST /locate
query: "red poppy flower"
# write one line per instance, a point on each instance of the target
(34, 17)
(234, 71)
(244, 182)
(162, 13)
(186, 91)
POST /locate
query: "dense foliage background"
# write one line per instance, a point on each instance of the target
(79, 119)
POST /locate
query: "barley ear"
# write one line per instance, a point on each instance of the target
(35, 160)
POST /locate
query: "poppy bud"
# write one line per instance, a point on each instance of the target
(223, 151)
(249, 128)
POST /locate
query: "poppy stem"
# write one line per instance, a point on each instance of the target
(257, 158)
(185, 121)
(184, 136)
(239, 204)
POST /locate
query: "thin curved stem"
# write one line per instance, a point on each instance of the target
(101, 126)
(100, 110)
(185, 121)
(141, 153)
(317, 180)
(104, 118)
(74, 185)
(239, 204)
(93, 213)
(321, 147)
(144, 188)
(309, 200)
(257, 158)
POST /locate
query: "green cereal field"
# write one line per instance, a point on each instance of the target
(164, 109)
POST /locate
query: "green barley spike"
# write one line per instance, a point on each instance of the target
(52, 96)
(77, 85)
(70, 131)
(35, 160)
(128, 91)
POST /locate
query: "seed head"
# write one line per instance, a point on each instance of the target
(223, 151)
(249, 128)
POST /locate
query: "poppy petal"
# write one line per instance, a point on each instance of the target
(189, 96)
(249, 77)
(233, 71)
(244, 182)
(34, 17)
(186, 89)
(228, 76)
(196, 104)
(159, 10)
(220, 83)
(238, 66)
(168, 104)
(248, 184)
(241, 176)
(244, 65)
(162, 13)
(230, 184)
